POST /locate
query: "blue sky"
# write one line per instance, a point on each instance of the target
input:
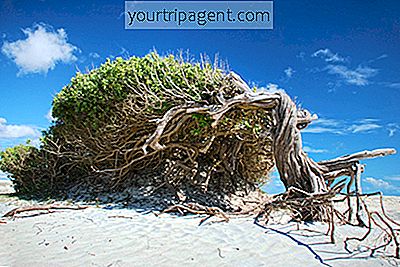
(339, 59)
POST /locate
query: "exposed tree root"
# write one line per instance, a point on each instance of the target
(194, 208)
(295, 202)
(323, 206)
(49, 209)
(380, 220)
(313, 204)
(121, 216)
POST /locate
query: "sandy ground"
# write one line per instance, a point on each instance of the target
(105, 236)
(6, 187)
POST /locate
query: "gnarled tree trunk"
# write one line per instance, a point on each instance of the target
(296, 169)
(306, 179)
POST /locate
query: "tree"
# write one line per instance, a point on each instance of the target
(169, 121)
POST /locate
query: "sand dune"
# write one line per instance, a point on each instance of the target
(100, 236)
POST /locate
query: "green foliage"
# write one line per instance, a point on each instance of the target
(22, 162)
(91, 98)
(12, 157)
(202, 124)
(104, 117)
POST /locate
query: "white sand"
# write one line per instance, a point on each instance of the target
(6, 187)
(93, 237)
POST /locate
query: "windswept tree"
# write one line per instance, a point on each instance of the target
(166, 121)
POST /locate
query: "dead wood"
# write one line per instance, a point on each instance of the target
(48, 208)
(195, 208)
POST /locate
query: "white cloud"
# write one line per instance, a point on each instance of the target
(41, 50)
(124, 53)
(363, 127)
(359, 76)
(36, 142)
(8, 131)
(3, 175)
(392, 132)
(393, 178)
(379, 183)
(289, 72)
(368, 120)
(325, 126)
(319, 129)
(49, 116)
(392, 128)
(378, 58)
(301, 55)
(381, 57)
(327, 122)
(366, 125)
(274, 185)
(328, 55)
(308, 149)
(271, 87)
(395, 85)
(94, 55)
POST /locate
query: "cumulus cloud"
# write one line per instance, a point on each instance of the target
(289, 72)
(42, 49)
(359, 76)
(328, 55)
(379, 183)
(8, 131)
